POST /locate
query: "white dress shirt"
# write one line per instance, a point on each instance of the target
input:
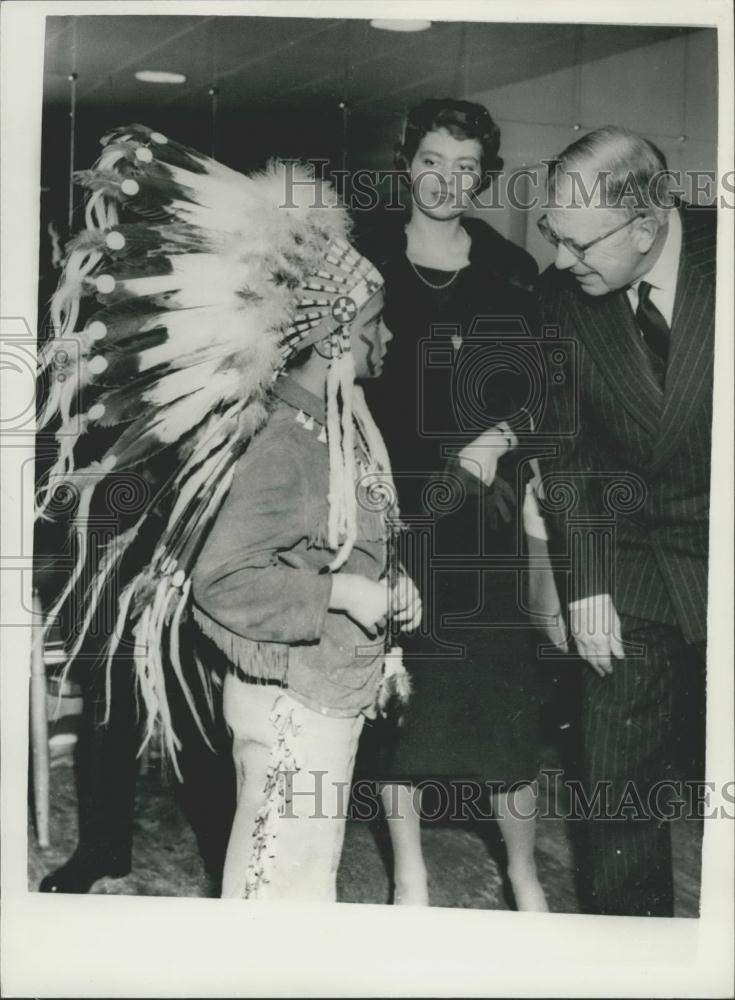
(662, 276)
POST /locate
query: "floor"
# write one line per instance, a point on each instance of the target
(464, 863)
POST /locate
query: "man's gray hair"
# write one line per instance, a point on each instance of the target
(615, 168)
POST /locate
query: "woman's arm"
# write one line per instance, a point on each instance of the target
(543, 598)
(480, 457)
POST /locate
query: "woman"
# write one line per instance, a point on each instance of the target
(458, 368)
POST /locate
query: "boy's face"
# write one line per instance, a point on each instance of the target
(370, 338)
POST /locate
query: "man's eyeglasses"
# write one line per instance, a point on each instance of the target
(577, 250)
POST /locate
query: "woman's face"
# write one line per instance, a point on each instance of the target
(370, 338)
(444, 173)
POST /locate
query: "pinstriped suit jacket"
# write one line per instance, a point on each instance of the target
(616, 425)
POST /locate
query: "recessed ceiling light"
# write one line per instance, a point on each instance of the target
(159, 76)
(396, 25)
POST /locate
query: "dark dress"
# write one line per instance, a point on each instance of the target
(475, 707)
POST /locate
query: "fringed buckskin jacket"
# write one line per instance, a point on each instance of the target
(261, 588)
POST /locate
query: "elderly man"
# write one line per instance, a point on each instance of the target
(633, 286)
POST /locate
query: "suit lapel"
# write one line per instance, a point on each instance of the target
(689, 373)
(611, 336)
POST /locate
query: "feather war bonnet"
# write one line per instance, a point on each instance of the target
(200, 306)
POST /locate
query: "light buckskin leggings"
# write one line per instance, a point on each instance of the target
(294, 769)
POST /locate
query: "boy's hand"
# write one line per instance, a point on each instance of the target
(406, 604)
(364, 600)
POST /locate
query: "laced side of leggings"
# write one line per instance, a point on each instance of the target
(282, 762)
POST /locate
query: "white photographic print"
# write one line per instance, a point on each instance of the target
(367, 490)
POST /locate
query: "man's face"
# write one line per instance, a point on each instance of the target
(617, 260)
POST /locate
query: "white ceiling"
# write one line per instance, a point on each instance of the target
(304, 63)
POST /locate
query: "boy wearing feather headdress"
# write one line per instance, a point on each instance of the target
(302, 639)
(233, 324)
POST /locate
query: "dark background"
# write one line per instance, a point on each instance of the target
(338, 90)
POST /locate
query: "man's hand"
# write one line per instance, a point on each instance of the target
(595, 626)
(480, 457)
(406, 604)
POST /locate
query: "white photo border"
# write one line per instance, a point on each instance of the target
(130, 946)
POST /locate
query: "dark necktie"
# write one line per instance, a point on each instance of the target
(655, 330)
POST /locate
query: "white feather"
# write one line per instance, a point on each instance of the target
(236, 336)
(179, 383)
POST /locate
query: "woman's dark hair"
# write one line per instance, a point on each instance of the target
(462, 120)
